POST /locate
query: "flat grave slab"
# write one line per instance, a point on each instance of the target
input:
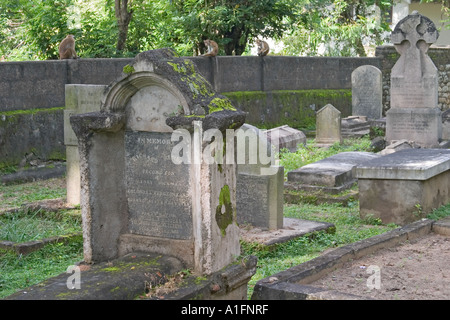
(292, 228)
(404, 186)
(333, 174)
(406, 164)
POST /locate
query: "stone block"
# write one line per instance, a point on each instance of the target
(285, 137)
(421, 125)
(333, 173)
(259, 199)
(404, 186)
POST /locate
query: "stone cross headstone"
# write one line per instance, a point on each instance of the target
(328, 126)
(145, 183)
(414, 113)
(367, 92)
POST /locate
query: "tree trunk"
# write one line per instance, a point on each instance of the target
(123, 17)
(234, 45)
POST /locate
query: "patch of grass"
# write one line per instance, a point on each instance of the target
(439, 213)
(19, 272)
(310, 153)
(13, 196)
(349, 228)
(25, 226)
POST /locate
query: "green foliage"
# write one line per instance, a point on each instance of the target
(337, 28)
(18, 272)
(349, 228)
(439, 213)
(232, 24)
(310, 153)
(23, 226)
(13, 196)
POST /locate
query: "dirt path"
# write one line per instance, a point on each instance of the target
(412, 271)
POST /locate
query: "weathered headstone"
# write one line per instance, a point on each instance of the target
(286, 137)
(367, 92)
(145, 183)
(328, 126)
(80, 98)
(404, 186)
(414, 113)
(259, 192)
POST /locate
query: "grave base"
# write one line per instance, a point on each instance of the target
(128, 277)
(292, 228)
(421, 125)
(404, 186)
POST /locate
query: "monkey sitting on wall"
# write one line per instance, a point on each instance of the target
(67, 48)
(263, 48)
(212, 49)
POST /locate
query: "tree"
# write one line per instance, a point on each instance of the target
(123, 16)
(338, 28)
(233, 23)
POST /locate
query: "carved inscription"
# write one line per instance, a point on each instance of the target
(252, 200)
(159, 200)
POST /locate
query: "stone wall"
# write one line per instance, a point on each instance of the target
(274, 90)
(287, 89)
(441, 58)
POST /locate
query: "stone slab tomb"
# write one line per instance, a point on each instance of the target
(145, 185)
(404, 186)
(414, 113)
(333, 174)
(285, 137)
(355, 127)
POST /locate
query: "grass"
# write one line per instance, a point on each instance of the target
(13, 196)
(310, 153)
(349, 228)
(18, 272)
(23, 226)
(21, 271)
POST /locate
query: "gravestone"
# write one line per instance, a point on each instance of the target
(259, 195)
(404, 186)
(328, 126)
(80, 98)
(414, 113)
(286, 137)
(145, 183)
(367, 92)
(333, 174)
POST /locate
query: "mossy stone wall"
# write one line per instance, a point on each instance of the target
(296, 108)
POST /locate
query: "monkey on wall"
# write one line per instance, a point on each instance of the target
(67, 48)
(263, 48)
(212, 49)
